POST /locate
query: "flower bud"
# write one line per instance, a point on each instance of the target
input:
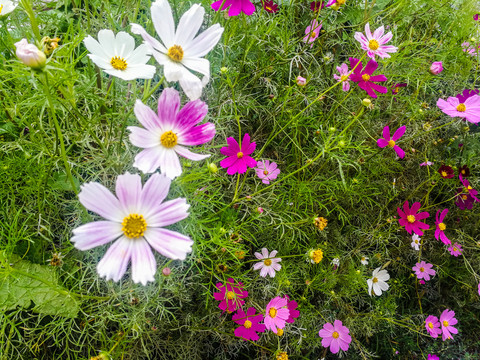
(436, 68)
(30, 55)
(212, 168)
(166, 271)
(301, 81)
(223, 70)
(367, 102)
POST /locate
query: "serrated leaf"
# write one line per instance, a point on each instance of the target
(26, 284)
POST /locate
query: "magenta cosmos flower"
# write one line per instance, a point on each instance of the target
(410, 219)
(391, 141)
(447, 320)
(365, 79)
(136, 217)
(267, 171)
(277, 314)
(423, 270)
(374, 44)
(250, 324)
(464, 200)
(455, 249)
(432, 357)
(470, 109)
(433, 326)
(292, 308)
(317, 5)
(335, 336)
(166, 134)
(238, 159)
(440, 227)
(312, 31)
(466, 94)
(236, 7)
(230, 295)
(468, 188)
(436, 68)
(269, 263)
(270, 6)
(344, 76)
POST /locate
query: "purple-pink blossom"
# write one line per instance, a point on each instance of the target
(237, 156)
(267, 171)
(344, 76)
(250, 324)
(236, 7)
(312, 31)
(411, 220)
(471, 49)
(436, 67)
(447, 320)
(391, 141)
(433, 326)
(464, 200)
(292, 308)
(423, 270)
(455, 249)
(432, 357)
(440, 227)
(365, 79)
(230, 295)
(469, 109)
(335, 336)
(374, 44)
(268, 264)
(466, 94)
(468, 188)
(276, 314)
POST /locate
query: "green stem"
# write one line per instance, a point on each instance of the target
(27, 6)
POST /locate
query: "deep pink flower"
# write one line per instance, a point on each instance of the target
(391, 141)
(276, 314)
(440, 230)
(436, 67)
(270, 6)
(470, 109)
(467, 188)
(316, 5)
(411, 220)
(250, 324)
(292, 308)
(447, 320)
(365, 79)
(433, 326)
(423, 270)
(395, 88)
(238, 159)
(301, 81)
(374, 44)
(344, 76)
(421, 282)
(466, 94)
(230, 295)
(464, 200)
(476, 17)
(236, 6)
(455, 249)
(335, 336)
(446, 172)
(168, 133)
(267, 171)
(312, 31)
(432, 357)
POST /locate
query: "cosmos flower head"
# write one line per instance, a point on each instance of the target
(391, 141)
(411, 220)
(235, 7)
(415, 242)
(440, 226)
(436, 68)
(167, 133)
(269, 264)
(230, 295)
(464, 171)
(467, 93)
(335, 337)
(317, 5)
(471, 49)
(267, 171)
(455, 249)
(469, 109)
(396, 87)
(427, 163)
(270, 6)
(312, 31)
(374, 44)
(464, 201)
(6, 7)
(250, 324)
(180, 51)
(467, 188)
(364, 260)
(446, 172)
(343, 77)
(378, 283)
(238, 158)
(447, 320)
(423, 270)
(433, 326)
(276, 314)
(365, 78)
(135, 218)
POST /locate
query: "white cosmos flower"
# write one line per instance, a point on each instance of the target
(364, 260)
(117, 55)
(269, 263)
(180, 51)
(6, 7)
(415, 242)
(377, 283)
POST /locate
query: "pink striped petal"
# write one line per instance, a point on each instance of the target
(197, 135)
(154, 192)
(168, 105)
(144, 265)
(148, 160)
(97, 198)
(168, 213)
(169, 243)
(146, 116)
(115, 261)
(143, 138)
(129, 189)
(96, 233)
(188, 154)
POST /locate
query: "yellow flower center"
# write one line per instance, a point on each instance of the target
(363, 258)
(265, 172)
(374, 280)
(134, 225)
(1, 8)
(411, 219)
(463, 172)
(461, 107)
(231, 295)
(445, 323)
(464, 197)
(422, 269)
(430, 325)
(267, 262)
(455, 249)
(391, 143)
(313, 35)
(169, 139)
(335, 335)
(341, 2)
(373, 44)
(344, 77)
(365, 77)
(175, 53)
(118, 63)
(442, 226)
(272, 312)
(279, 332)
(469, 187)
(416, 241)
(444, 174)
(247, 324)
(317, 256)
(239, 155)
(269, 9)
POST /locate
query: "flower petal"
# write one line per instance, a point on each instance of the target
(168, 213)
(96, 233)
(162, 19)
(169, 243)
(154, 192)
(128, 189)
(144, 265)
(115, 261)
(188, 154)
(97, 198)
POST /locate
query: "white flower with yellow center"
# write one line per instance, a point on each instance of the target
(117, 55)
(6, 7)
(377, 283)
(180, 50)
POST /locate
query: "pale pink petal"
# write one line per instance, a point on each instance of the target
(143, 138)
(154, 192)
(169, 243)
(146, 116)
(377, 34)
(168, 105)
(96, 233)
(188, 154)
(168, 213)
(144, 265)
(148, 160)
(129, 189)
(97, 198)
(114, 263)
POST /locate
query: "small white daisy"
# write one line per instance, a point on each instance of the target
(377, 283)
(416, 242)
(117, 55)
(364, 260)
(269, 263)
(336, 261)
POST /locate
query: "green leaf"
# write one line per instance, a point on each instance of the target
(24, 284)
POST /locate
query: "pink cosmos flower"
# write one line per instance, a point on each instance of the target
(301, 81)
(470, 109)
(447, 320)
(396, 87)
(433, 326)
(335, 336)
(476, 17)
(277, 314)
(269, 263)
(365, 79)
(375, 44)
(317, 5)
(421, 282)
(236, 6)
(136, 217)
(440, 230)
(427, 163)
(390, 141)
(410, 219)
(432, 357)
(312, 31)
(238, 159)
(250, 324)
(343, 77)
(436, 67)
(472, 50)
(230, 295)
(267, 171)
(166, 133)
(455, 249)
(468, 189)
(423, 270)
(464, 200)
(466, 94)
(292, 308)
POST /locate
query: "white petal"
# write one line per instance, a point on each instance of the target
(169, 243)
(376, 289)
(148, 160)
(95, 48)
(133, 72)
(168, 213)
(258, 265)
(183, 151)
(129, 189)
(101, 62)
(149, 40)
(96, 233)
(97, 198)
(143, 138)
(203, 43)
(191, 85)
(115, 261)
(139, 56)
(199, 65)
(163, 22)
(173, 71)
(144, 265)
(106, 38)
(189, 25)
(124, 44)
(170, 164)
